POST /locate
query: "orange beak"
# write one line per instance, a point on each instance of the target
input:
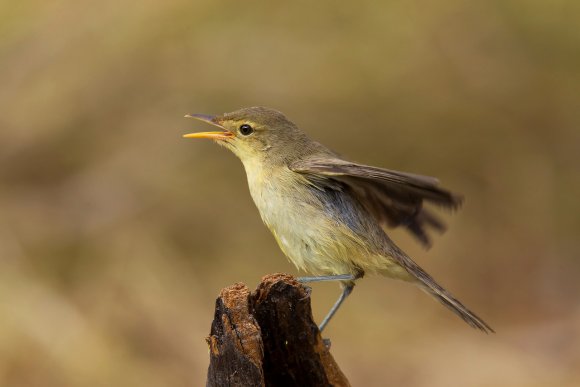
(223, 135)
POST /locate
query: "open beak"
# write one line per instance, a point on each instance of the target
(223, 135)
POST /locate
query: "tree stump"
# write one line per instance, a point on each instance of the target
(268, 338)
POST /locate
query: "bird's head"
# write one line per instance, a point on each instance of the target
(255, 134)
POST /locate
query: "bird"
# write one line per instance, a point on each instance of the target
(329, 215)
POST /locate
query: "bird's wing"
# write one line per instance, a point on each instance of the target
(394, 198)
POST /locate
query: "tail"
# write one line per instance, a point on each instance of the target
(444, 297)
(429, 285)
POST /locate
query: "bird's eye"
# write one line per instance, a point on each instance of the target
(246, 129)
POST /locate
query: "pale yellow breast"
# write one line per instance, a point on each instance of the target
(311, 240)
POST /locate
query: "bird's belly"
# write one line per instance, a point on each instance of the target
(313, 241)
(303, 239)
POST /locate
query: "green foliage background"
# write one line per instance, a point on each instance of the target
(116, 234)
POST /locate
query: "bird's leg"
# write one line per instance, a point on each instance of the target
(339, 277)
(347, 289)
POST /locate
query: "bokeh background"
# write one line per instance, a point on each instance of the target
(116, 234)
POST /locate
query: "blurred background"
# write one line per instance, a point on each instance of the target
(116, 235)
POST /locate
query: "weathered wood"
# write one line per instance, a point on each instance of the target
(269, 338)
(235, 344)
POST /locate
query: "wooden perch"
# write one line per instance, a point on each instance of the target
(268, 338)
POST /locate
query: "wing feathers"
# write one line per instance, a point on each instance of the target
(394, 198)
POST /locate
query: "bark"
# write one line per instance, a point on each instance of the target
(268, 338)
